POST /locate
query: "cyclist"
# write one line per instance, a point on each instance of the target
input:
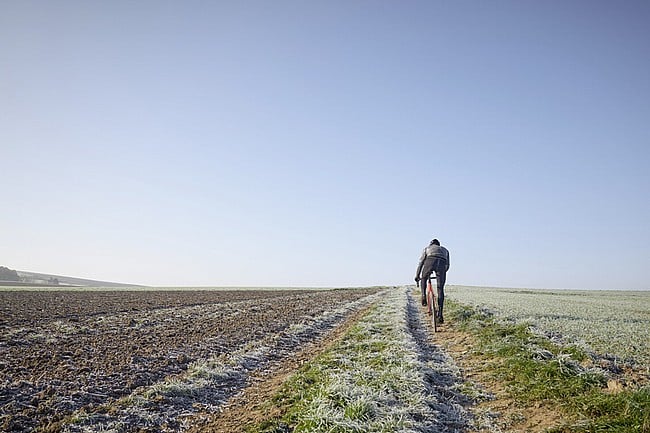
(434, 258)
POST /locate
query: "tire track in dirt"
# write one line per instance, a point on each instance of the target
(489, 410)
(494, 411)
(443, 380)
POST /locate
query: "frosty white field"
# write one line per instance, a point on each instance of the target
(615, 323)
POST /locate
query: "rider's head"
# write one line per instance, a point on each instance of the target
(435, 242)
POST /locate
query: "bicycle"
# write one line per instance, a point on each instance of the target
(432, 303)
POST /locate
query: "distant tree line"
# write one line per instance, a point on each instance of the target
(7, 274)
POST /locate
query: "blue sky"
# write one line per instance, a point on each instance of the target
(298, 143)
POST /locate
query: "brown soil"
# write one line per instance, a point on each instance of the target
(248, 408)
(505, 413)
(65, 352)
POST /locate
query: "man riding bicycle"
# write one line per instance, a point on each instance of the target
(434, 258)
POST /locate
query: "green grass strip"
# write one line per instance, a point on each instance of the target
(537, 370)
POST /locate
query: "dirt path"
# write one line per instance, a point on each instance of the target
(442, 382)
(451, 367)
(493, 410)
(208, 361)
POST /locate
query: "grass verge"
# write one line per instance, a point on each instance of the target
(537, 371)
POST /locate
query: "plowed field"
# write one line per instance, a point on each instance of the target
(81, 361)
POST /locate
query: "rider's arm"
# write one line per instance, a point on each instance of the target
(420, 264)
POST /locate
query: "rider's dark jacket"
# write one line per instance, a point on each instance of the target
(431, 256)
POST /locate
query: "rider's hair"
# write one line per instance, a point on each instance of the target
(435, 241)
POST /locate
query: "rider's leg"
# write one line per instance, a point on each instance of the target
(423, 287)
(441, 277)
(427, 269)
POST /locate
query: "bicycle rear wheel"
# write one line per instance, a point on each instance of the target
(435, 312)
(432, 306)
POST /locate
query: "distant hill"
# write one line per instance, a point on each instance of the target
(37, 279)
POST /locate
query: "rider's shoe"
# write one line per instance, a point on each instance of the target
(440, 319)
(424, 301)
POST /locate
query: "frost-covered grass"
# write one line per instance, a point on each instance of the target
(610, 322)
(373, 380)
(536, 370)
(533, 367)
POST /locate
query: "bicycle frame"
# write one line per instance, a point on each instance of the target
(432, 303)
